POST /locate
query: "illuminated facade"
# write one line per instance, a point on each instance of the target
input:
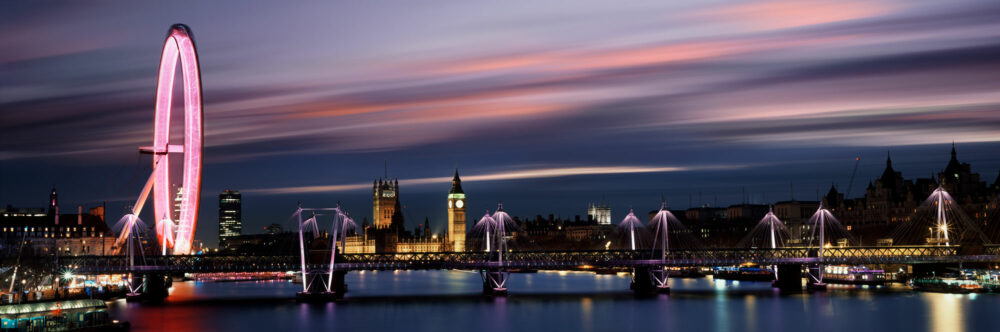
(358, 244)
(456, 214)
(422, 245)
(601, 213)
(55, 234)
(384, 199)
(230, 215)
(388, 233)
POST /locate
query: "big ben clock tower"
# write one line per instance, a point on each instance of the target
(456, 214)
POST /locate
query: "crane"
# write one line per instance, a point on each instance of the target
(857, 160)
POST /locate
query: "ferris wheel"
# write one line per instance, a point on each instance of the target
(176, 234)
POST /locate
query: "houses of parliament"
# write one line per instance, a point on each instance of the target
(387, 232)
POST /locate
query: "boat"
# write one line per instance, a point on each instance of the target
(72, 315)
(946, 285)
(609, 270)
(853, 275)
(691, 272)
(744, 273)
(989, 279)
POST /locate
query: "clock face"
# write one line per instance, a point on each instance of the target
(459, 204)
(449, 203)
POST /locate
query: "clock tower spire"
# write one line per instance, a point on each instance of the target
(456, 214)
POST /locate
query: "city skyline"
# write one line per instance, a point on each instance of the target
(712, 100)
(440, 226)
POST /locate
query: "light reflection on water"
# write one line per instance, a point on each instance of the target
(946, 311)
(435, 300)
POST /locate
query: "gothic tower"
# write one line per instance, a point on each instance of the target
(384, 197)
(456, 214)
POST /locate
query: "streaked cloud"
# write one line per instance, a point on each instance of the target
(783, 14)
(683, 65)
(535, 173)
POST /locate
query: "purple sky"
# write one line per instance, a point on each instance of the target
(544, 105)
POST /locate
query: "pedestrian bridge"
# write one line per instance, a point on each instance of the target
(532, 260)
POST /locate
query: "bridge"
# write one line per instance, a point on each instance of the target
(642, 263)
(532, 260)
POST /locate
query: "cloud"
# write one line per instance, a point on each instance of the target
(722, 63)
(784, 14)
(500, 176)
(861, 127)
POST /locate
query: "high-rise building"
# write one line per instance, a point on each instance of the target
(601, 213)
(175, 213)
(456, 214)
(230, 215)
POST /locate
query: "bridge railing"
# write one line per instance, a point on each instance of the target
(910, 251)
(889, 255)
(181, 263)
(551, 259)
(572, 258)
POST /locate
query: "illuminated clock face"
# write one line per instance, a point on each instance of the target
(459, 204)
(449, 203)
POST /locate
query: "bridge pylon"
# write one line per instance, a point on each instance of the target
(151, 287)
(321, 281)
(494, 281)
(658, 276)
(788, 278)
(649, 280)
(496, 275)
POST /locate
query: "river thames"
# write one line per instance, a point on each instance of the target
(558, 301)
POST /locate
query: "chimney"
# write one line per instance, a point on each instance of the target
(79, 214)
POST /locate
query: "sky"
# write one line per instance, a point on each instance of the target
(544, 105)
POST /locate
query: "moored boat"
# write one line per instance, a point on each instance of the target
(72, 315)
(744, 273)
(853, 275)
(946, 285)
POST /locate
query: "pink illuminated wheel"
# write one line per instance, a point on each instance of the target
(179, 44)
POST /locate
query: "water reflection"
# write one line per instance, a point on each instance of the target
(435, 300)
(946, 311)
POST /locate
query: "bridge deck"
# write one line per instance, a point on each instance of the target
(535, 260)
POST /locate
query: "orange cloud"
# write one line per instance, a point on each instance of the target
(484, 104)
(649, 55)
(495, 63)
(572, 62)
(783, 14)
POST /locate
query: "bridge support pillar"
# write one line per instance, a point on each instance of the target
(812, 284)
(339, 286)
(648, 281)
(153, 287)
(494, 282)
(789, 278)
(317, 287)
